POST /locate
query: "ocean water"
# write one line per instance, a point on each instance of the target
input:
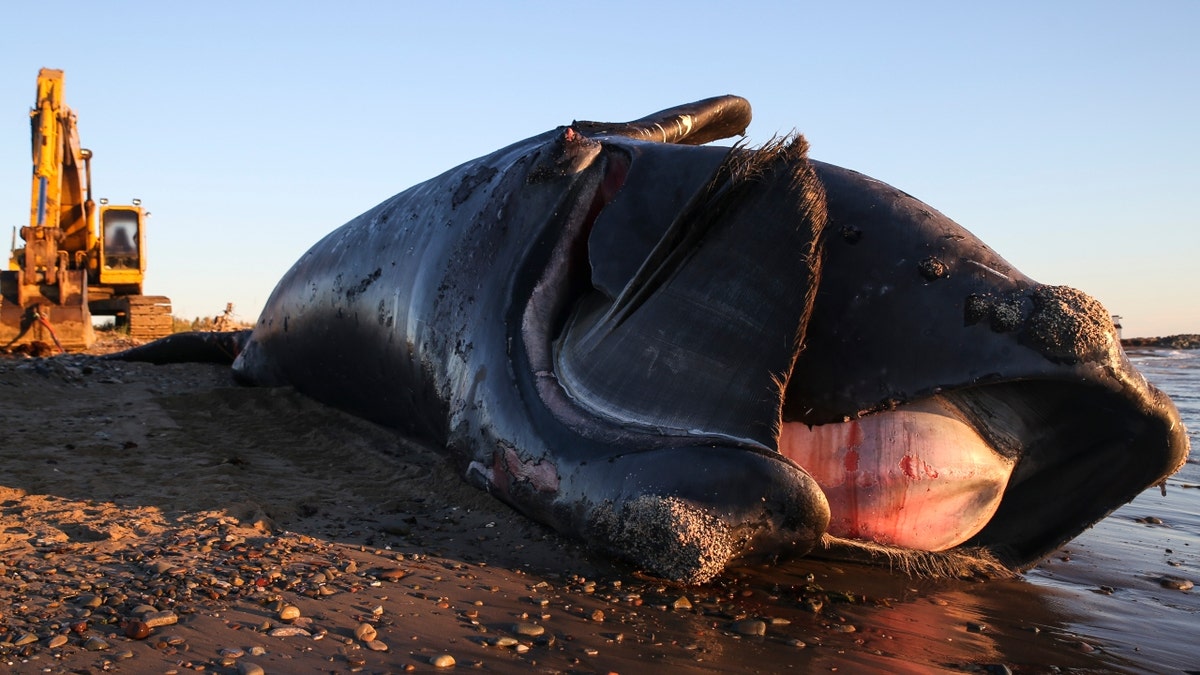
(1177, 372)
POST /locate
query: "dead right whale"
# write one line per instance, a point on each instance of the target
(690, 355)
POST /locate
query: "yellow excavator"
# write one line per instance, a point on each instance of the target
(76, 260)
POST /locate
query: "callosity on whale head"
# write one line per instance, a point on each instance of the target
(691, 355)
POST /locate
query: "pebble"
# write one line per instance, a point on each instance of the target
(797, 643)
(597, 616)
(394, 574)
(248, 668)
(975, 627)
(681, 603)
(56, 641)
(749, 627)
(1176, 583)
(156, 619)
(528, 629)
(288, 631)
(232, 653)
(25, 639)
(137, 630)
(365, 632)
(289, 613)
(506, 642)
(377, 645)
(442, 661)
(95, 644)
(90, 601)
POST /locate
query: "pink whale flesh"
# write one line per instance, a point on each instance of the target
(916, 477)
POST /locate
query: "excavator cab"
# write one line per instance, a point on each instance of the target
(122, 241)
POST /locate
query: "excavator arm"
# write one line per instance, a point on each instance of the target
(61, 190)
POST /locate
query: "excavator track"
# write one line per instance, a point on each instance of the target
(148, 316)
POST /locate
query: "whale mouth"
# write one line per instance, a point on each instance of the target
(1018, 467)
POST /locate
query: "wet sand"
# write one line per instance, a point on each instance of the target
(137, 493)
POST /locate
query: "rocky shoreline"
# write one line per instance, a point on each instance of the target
(1184, 341)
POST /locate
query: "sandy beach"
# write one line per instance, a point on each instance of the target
(163, 519)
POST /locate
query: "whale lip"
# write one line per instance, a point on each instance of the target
(1082, 450)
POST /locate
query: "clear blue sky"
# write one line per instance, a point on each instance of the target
(1064, 134)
